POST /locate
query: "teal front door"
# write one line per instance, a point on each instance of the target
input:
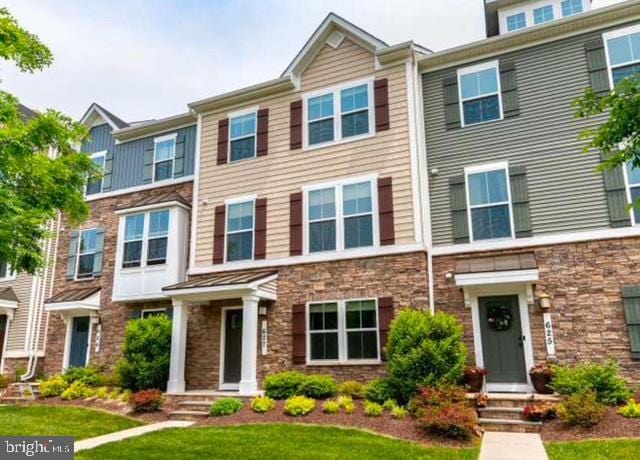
(79, 342)
(502, 339)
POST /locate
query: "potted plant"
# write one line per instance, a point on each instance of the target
(474, 378)
(482, 400)
(533, 413)
(541, 376)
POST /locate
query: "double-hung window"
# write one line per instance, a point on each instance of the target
(158, 236)
(321, 120)
(240, 231)
(95, 186)
(343, 331)
(633, 183)
(86, 253)
(242, 138)
(5, 271)
(480, 93)
(543, 14)
(571, 7)
(354, 110)
(489, 202)
(340, 216)
(145, 233)
(133, 240)
(516, 21)
(623, 52)
(163, 156)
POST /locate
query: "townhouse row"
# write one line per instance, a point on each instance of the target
(283, 225)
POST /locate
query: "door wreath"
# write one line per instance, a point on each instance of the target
(499, 317)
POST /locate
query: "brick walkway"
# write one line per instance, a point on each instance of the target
(512, 446)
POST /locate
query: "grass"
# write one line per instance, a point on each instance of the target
(60, 421)
(617, 449)
(281, 441)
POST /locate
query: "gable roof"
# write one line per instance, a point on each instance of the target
(96, 109)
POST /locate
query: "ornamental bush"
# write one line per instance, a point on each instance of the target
(147, 400)
(379, 390)
(352, 389)
(399, 413)
(631, 410)
(226, 406)
(5, 380)
(604, 379)
(453, 420)
(283, 385)
(389, 404)
(424, 350)
(146, 353)
(318, 386)
(77, 390)
(89, 375)
(53, 386)
(331, 407)
(372, 409)
(262, 404)
(582, 409)
(438, 397)
(299, 406)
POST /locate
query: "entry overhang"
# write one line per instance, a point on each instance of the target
(505, 269)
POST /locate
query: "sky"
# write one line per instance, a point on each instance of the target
(145, 59)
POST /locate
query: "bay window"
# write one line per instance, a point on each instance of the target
(145, 239)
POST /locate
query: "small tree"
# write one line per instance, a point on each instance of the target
(424, 350)
(146, 354)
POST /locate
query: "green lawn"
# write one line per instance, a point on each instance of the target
(59, 421)
(618, 449)
(281, 441)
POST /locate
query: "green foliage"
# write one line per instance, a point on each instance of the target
(5, 380)
(88, 375)
(631, 410)
(399, 413)
(226, 406)
(424, 350)
(20, 370)
(23, 48)
(77, 390)
(349, 408)
(102, 393)
(331, 407)
(344, 401)
(283, 385)
(53, 386)
(147, 401)
(603, 379)
(582, 409)
(379, 390)
(299, 406)
(389, 404)
(351, 388)
(146, 353)
(318, 386)
(262, 404)
(372, 409)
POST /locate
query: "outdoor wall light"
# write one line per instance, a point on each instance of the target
(545, 301)
(262, 311)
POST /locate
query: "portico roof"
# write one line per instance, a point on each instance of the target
(8, 298)
(75, 299)
(510, 268)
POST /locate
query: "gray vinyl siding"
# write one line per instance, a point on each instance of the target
(566, 193)
(128, 157)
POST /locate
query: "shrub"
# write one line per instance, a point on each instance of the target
(349, 408)
(351, 388)
(77, 390)
(344, 401)
(146, 353)
(125, 396)
(283, 385)
(226, 406)
(603, 379)
(436, 397)
(389, 404)
(90, 375)
(379, 390)
(262, 404)
(299, 406)
(53, 387)
(631, 410)
(399, 413)
(318, 386)
(5, 380)
(372, 409)
(582, 409)
(147, 400)
(453, 420)
(114, 394)
(540, 412)
(102, 393)
(424, 350)
(331, 407)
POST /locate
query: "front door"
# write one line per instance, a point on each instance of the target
(79, 342)
(3, 332)
(232, 347)
(502, 340)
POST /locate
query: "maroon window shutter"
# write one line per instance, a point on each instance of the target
(385, 316)
(381, 97)
(263, 132)
(299, 330)
(385, 211)
(295, 125)
(260, 249)
(223, 141)
(295, 224)
(218, 234)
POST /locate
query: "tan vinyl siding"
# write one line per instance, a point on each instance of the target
(284, 171)
(18, 326)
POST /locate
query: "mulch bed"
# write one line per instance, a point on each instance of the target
(614, 425)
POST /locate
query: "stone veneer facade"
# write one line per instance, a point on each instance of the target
(585, 283)
(113, 315)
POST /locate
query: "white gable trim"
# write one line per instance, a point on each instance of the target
(95, 109)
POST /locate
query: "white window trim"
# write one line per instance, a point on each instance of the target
(78, 254)
(338, 186)
(241, 113)
(573, 14)
(474, 69)
(146, 311)
(145, 240)
(528, 10)
(504, 165)
(517, 13)
(157, 140)
(9, 276)
(102, 153)
(337, 113)
(542, 6)
(617, 34)
(240, 200)
(628, 187)
(342, 334)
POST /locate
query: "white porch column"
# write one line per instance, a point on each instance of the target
(248, 381)
(178, 347)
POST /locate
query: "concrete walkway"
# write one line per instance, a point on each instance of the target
(126, 434)
(512, 446)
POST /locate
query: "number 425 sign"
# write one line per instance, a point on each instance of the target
(548, 334)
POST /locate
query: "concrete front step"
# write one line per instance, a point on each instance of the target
(511, 426)
(188, 414)
(203, 406)
(502, 413)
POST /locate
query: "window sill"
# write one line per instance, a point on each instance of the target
(82, 280)
(345, 140)
(365, 362)
(482, 123)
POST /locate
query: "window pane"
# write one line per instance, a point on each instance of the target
(357, 198)
(324, 346)
(543, 14)
(240, 217)
(323, 316)
(244, 125)
(355, 124)
(159, 224)
(240, 246)
(571, 7)
(621, 73)
(322, 236)
(132, 254)
(87, 241)
(635, 196)
(362, 345)
(96, 186)
(488, 187)
(480, 110)
(633, 174)
(165, 150)
(479, 83)
(243, 148)
(85, 266)
(320, 107)
(134, 227)
(322, 204)
(491, 222)
(330, 316)
(164, 170)
(321, 131)
(354, 98)
(361, 314)
(358, 232)
(516, 21)
(3, 269)
(619, 50)
(157, 253)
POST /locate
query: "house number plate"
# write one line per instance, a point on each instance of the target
(548, 334)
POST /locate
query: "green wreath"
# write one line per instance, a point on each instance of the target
(499, 317)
